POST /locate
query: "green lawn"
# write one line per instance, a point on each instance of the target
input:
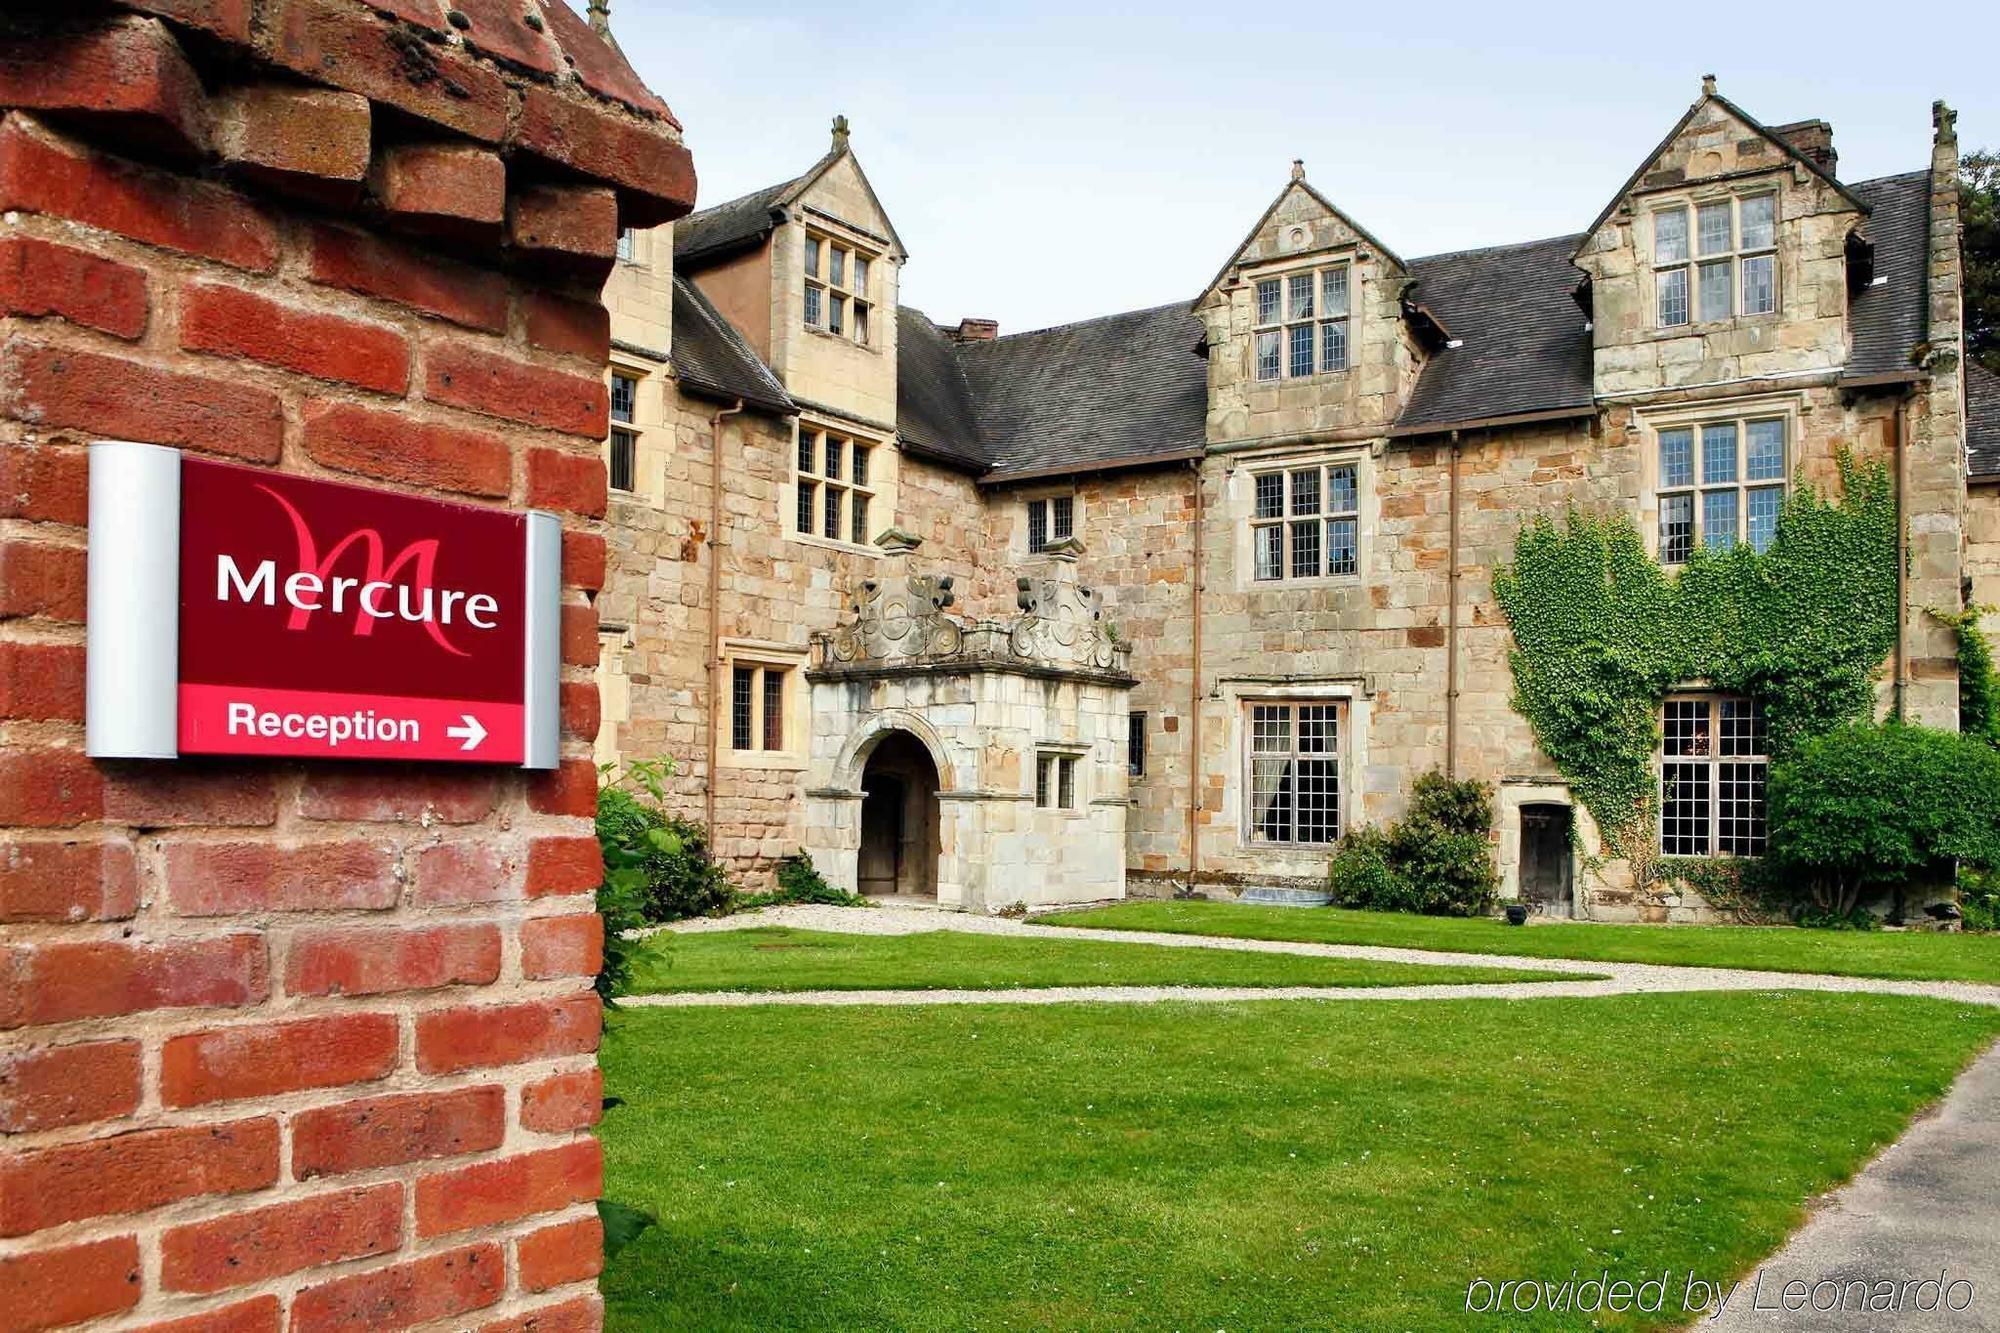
(1915, 955)
(777, 958)
(1234, 1166)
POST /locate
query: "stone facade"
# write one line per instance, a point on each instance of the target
(1381, 664)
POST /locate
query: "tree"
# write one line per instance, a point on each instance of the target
(1979, 219)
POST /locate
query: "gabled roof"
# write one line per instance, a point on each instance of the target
(1758, 127)
(1982, 422)
(741, 223)
(1889, 317)
(1296, 183)
(1116, 390)
(1520, 344)
(933, 405)
(711, 358)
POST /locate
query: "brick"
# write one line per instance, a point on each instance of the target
(48, 788)
(602, 69)
(42, 174)
(67, 881)
(576, 483)
(258, 1060)
(114, 398)
(559, 866)
(563, 1102)
(59, 981)
(484, 1036)
(224, 18)
(641, 157)
(210, 879)
(495, 27)
(583, 561)
(46, 482)
(579, 635)
(580, 710)
(126, 78)
(313, 142)
(562, 946)
(583, 1314)
(260, 1315)
(39, 278)
(389, 1131)
(560, 324)
(408, 795)
(497, 386)
(568, 1252)
(188, 791)
(574, 228)
(373, 962)
(50, 1288)
(67, 1085)
(568, 789)
(131, 1173)
(270, 1242)
(513, 1187)
(332, 43)
(229, 321)
(392, 447)
(41, 681)
(436, 1286)
(42, 579)
(465, 872)
(442, 189)
(371, 266)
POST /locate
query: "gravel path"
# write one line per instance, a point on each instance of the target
(1619, 978)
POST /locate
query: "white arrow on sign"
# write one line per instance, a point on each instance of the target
(472, 733)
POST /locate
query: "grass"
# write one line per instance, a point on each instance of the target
(1914, 955)
(776, 958)
(1234, 1166)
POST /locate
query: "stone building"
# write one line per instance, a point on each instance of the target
(1281, 503)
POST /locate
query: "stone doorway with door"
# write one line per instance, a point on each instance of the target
(1547, 860)
(898, 855)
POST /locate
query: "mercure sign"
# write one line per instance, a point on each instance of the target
(234, 610)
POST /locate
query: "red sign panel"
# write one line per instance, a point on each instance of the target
(335, 621)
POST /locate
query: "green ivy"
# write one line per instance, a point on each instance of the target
(1602, 633)
(1978, 685)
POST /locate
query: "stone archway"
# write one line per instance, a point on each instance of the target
(898, 852)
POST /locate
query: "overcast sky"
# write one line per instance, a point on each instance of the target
(1049, 161)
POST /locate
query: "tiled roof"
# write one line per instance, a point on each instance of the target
(1887, 318)
(1121, 388)
(726, 228)
(710, 356)
(1982, 420)
(933, 405)
(1522, 344)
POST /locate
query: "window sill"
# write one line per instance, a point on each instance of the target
(1283, 380)
(831, 544)
(1323, 581)
(1706, 327)
(841, 338)
(773, 759)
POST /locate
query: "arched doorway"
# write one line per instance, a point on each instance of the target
(899, 820)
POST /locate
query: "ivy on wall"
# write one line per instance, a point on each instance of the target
(1602, 633)
(1978, 683)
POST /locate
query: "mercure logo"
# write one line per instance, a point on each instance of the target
(402, 588)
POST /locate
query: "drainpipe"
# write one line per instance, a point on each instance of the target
(1194, 685)
(714, 614)
(1451, 628)
(1901, 447)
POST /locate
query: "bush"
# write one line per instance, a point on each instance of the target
(799, 881)
(1979, 898)
(1435, 860)
(1870, 807)
(675, 878)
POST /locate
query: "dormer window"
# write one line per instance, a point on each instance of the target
(1714, 261)
(1302, 323)
(837, 296)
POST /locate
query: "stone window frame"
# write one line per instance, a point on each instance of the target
(1690, 206)
(1242, 506)
(764, 661)
(1135, 743)
(1726, 719)
(1047, 496)
(801, 482)
(1282, 320)
(1293, 709)
(1057, 762)
(625, 433)
(1356, 694)
(839, 300)
(1787, 408)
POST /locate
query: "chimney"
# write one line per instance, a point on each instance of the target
(977, 330)
(1813, 138)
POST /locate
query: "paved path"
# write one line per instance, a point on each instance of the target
(1618, 978)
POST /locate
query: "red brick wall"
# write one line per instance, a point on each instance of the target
(302, 1046)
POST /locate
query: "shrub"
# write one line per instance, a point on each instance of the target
(1979, 898)
(1435, 860)
(1868, 807)
(674, 877)
(799, 881)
